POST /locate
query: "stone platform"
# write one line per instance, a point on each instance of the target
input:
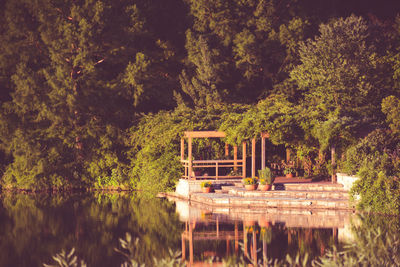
(289, 193)
(306, 218)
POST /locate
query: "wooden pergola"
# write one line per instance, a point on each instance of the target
(190, 164)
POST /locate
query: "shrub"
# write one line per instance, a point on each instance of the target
(206, 184)
(374, 159)
(250, 181)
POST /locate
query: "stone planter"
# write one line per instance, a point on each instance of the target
(265, 187)
(250, 187)
(206, 189)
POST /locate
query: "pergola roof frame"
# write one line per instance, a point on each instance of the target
(218, 134)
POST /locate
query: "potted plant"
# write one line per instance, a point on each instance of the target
(206, 187)
(267, 178)
(250, 183)
(289, 172)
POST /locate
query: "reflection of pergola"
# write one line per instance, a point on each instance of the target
(236, 163)
(190, 235)
(237, 236)
(250, 247)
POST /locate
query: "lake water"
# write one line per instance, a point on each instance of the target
(33, 228)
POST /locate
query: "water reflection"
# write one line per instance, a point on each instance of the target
(258, 234)
(33, 228)
(253, 240)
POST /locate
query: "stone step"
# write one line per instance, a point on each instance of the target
(227, 187)
(292, 194)
(310, 186)
(304, 186)
(224, 189)
(221, 191)
(224, 200)
(238, 184)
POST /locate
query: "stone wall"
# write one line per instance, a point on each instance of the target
(346, 180)
(185, 187)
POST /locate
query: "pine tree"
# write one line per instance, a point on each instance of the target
(252, 45)
(88, 67)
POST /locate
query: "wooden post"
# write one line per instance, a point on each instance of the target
(191, 256)
(254, 247)
(183, 247)
(335, 236)
(226, 149)
(236, 237)
(244, 160)
(245, 240)
(264, 242)
(287, 155)
(253, 157)
(333, 162)
(182, 149)
(190, 157)
(262, 152)
(216, 171)
(235, 150)
(186, 171)
(217, 222)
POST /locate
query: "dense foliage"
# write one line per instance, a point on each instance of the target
(97, 93)
(375, 159)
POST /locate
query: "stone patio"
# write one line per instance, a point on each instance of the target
(290, 193)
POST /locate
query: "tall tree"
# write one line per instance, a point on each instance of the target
(245, 43)
(342, 78)
(340, 68)
(91, 66)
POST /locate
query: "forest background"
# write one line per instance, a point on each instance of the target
(97, 93)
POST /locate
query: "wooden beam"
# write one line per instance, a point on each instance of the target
(244, 160)
(253, 157)
(226, 149)
(262, 153)
(190, 157)
(204, 134)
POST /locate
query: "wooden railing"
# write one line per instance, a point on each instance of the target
(217, 164)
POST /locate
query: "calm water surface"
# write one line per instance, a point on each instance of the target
(34, 228)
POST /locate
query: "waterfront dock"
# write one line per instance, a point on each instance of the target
(290, 193)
